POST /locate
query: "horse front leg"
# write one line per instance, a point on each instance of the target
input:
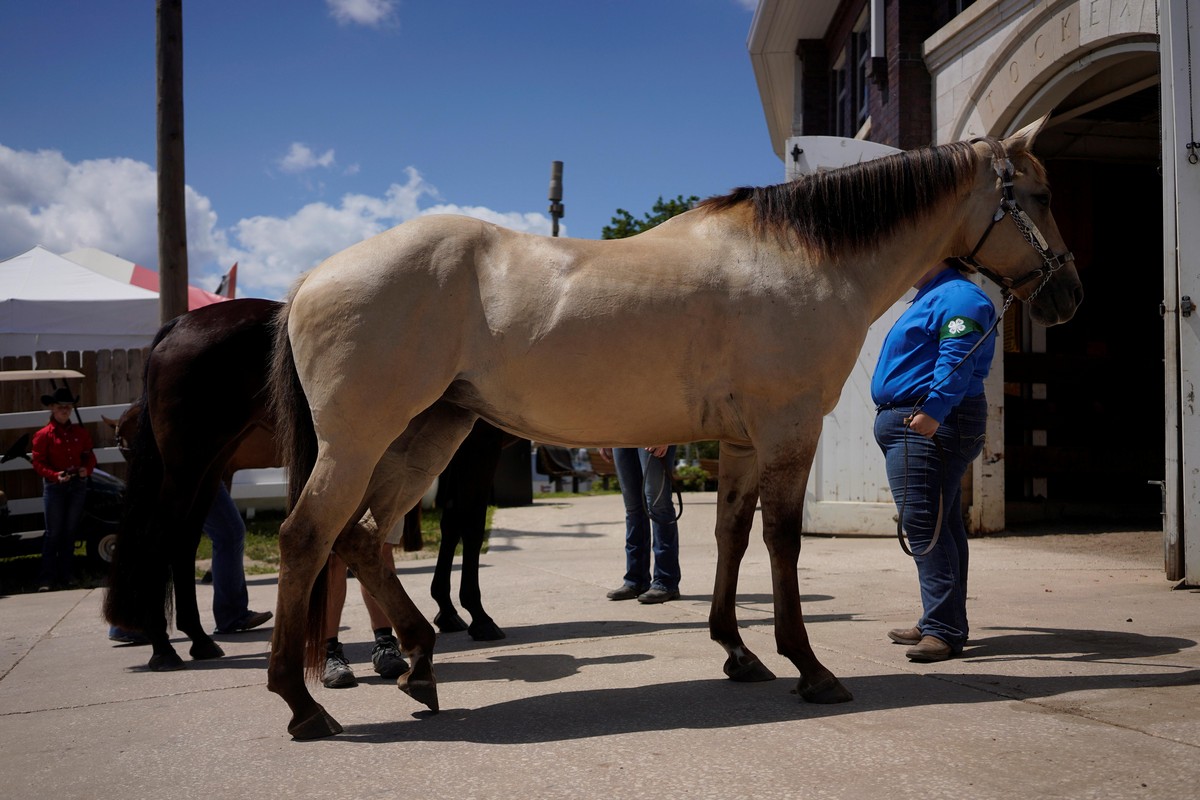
(447, 619)
(736, 501)
(474, 520)
(782, 480)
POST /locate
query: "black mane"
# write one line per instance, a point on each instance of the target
(852, 207)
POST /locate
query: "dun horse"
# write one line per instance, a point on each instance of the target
(204, 416)
(741, 319)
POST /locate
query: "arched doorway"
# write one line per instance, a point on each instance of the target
(1084, 419)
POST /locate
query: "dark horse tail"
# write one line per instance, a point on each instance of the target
(297, 442)
(140, 579)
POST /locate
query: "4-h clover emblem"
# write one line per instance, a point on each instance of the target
(956, 326)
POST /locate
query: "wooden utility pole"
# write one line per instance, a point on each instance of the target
(172, 218)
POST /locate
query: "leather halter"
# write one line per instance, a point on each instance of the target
(1052, 262)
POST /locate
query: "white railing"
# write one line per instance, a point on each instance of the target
(259, 488)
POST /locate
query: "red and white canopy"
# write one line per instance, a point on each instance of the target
(128, 272)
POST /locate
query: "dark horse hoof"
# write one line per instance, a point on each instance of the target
(485, 630)
(203, 650)
(449, 622)
(317, 726)
(423, 691)
(165, 662)
(824, 692)
(747, 669)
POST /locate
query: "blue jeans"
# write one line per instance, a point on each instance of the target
(646, 489)
(934, 472)
(63, 506)
(225, 528)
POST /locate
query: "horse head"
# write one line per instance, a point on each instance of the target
(1015, 240)
(125, 429)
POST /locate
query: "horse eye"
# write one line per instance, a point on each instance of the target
(1042, 199)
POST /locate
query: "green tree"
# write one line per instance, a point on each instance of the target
(625, 224)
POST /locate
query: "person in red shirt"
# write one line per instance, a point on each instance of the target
(62, 455)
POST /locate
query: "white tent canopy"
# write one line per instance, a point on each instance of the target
(48, 302)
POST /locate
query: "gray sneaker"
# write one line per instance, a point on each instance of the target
(337, 674)
(387, 659)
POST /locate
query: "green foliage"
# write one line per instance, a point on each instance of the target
(691, 479)
(625, 224)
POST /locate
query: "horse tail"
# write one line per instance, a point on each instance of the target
(139, 583)
(297, 442)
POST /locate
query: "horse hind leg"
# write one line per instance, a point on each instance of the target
(737, 498)
(401, 477)
(447, 618)
(184, 533)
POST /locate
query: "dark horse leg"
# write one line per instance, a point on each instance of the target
(464, 490)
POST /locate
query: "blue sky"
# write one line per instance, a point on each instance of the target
(313, 124)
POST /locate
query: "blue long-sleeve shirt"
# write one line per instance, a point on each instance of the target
(946, 319)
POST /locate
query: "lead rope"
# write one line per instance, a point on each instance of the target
(937, 531)
(669, 485)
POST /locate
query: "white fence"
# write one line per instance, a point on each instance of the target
(253, 489)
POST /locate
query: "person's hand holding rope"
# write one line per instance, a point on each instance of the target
(922, 424)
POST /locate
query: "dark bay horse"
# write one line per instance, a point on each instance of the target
(204, 416)
(739, 321)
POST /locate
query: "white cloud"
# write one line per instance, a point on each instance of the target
(749, 5)
(111, 204)
(301, 158)
(371, 13)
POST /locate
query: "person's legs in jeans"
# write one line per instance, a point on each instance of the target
(637, 525)
(919, 473)
(227, 531)
(63, 507)
(657, 485)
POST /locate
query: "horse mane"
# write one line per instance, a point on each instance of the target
(852, 207)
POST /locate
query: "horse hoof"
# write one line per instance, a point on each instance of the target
(485, 631)
(424, 692)
(449, 622)
(168, 662)
(205, 650)
(825, 692)
(317, 726)
(747, 669)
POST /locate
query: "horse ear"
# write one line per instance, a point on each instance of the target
(1022, 140)
(112, 423)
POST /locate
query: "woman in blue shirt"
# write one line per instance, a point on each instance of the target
(928, 390)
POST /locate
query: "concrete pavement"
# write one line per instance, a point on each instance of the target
(1082, 680)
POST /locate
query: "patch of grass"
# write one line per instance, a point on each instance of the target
(595, 491)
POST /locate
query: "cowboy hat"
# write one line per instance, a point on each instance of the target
(61, 395)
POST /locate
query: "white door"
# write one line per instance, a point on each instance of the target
(848, 489)
(1181, 281)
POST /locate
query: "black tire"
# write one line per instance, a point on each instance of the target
(101, 545)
